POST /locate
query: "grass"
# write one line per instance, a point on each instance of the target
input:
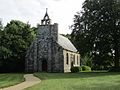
(10, 79)
(78, 81)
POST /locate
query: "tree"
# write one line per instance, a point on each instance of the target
(16, 38)
(67, 36)
(87, 60)
(98, 26)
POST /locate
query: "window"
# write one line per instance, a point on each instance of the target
(67, 58)
(58, 49)
(77, 60)
(73, 59)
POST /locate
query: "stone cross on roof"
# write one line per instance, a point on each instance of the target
(46, 20)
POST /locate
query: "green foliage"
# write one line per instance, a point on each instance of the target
(67, 36)
(81, 68)
(113, 69)
(4, 52)
(87, 60)
(85, 68)
(97, 29)
(74, 69)
(15, 38)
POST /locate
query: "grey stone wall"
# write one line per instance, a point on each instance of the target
(31, 56)
(45, 47)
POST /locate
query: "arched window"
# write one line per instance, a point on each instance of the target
(77, 60)
(73, 59)
(67, 58)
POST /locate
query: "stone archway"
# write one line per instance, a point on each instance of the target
(44, 65)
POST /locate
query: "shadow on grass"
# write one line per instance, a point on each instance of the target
(74, 75)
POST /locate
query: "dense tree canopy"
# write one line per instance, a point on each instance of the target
(97, 29)
(15, 38)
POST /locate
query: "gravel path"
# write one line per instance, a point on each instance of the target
(30, 80)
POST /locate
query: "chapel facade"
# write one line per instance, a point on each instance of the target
(50, 51)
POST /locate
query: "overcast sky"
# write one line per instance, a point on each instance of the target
(60, 11)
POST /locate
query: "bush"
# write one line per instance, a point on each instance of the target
(75, 69)
(85, 68)
(113, 69)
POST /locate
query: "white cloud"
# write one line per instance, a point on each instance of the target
(60, 11)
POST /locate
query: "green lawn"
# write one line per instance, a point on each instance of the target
(78, 81)
(10, 79)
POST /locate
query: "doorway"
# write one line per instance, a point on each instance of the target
(44, 65)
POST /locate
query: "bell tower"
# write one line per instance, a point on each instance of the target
(46, 38)
(46, 20)
(46, 29)
(43, 52)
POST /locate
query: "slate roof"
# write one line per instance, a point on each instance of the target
(66, 43)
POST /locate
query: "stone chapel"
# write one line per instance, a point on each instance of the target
(50, 51)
